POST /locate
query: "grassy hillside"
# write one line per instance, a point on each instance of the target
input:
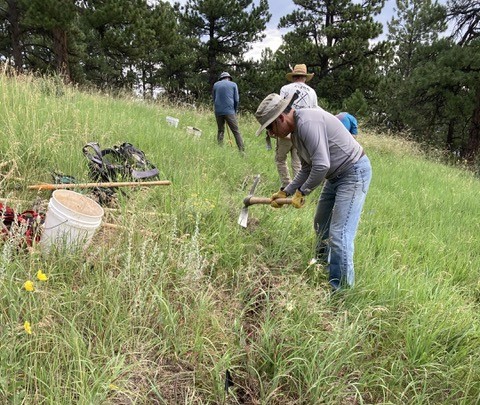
(156, 311)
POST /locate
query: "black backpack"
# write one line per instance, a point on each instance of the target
(124, 162)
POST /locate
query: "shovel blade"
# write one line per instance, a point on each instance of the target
(243, 218)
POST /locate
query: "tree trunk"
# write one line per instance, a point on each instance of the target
(212, 54)
(473, 144)
(212, 67)
(60, 49)
(450, 134)
(15, 34)
(144, 83)
(324, 59)
(212, 74)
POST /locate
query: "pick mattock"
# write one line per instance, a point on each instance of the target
(251, 200)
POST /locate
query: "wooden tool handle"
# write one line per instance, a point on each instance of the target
(106, 185)
(265, 200)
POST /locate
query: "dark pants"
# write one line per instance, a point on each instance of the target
(231, 120)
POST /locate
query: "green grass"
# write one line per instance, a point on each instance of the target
(158, 310)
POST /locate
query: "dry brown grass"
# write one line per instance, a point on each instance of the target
(389, 143)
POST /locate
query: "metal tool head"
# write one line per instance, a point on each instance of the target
(243, 218)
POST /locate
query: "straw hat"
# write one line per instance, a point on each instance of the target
(299, 70)
(224, 75)
(269, 109)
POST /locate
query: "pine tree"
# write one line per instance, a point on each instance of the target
(412, 30)
(465, 14)
(224, 28)
(115, 35)
(416, 23)
(54, 19)
(11, 33)
(334, 38)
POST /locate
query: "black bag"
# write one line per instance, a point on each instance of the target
(124, 162)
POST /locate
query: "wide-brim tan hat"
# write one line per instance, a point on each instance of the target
(299, 70)
(269, 109)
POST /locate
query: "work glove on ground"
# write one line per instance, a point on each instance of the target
(298, 199)
(278, 194)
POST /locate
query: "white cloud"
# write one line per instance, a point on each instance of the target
(272, 40)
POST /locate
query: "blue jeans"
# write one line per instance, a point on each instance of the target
(336, 221)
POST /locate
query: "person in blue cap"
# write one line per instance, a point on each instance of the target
(225, 101)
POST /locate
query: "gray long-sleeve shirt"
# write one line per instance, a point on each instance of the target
(325, 147)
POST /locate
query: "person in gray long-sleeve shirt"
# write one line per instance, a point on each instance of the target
(327, 152)
(225, 101)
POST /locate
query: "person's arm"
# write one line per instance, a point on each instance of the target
(312, 175)
(299, 179)
(314, 99)
(353, 127)
(236, 98)
(214, 94)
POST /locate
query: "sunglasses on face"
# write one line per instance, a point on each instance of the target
(269, 127)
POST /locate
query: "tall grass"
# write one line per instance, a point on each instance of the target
(158, 310)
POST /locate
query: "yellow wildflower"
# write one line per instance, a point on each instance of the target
(28, 285)
(41, 276)
(27, 327)
(113, 387)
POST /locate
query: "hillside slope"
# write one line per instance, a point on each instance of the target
(159, 308)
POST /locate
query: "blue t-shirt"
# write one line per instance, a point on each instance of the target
(225, 97)
(349, 121)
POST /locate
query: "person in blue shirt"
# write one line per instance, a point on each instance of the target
(225, 101)
(349, 121)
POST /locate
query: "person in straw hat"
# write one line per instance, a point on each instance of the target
(225, 102)
(327, 152)
(307, 98)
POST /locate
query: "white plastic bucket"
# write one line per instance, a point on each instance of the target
(173, 121)
(71, 220)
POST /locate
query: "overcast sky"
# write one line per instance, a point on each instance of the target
(280, 8)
